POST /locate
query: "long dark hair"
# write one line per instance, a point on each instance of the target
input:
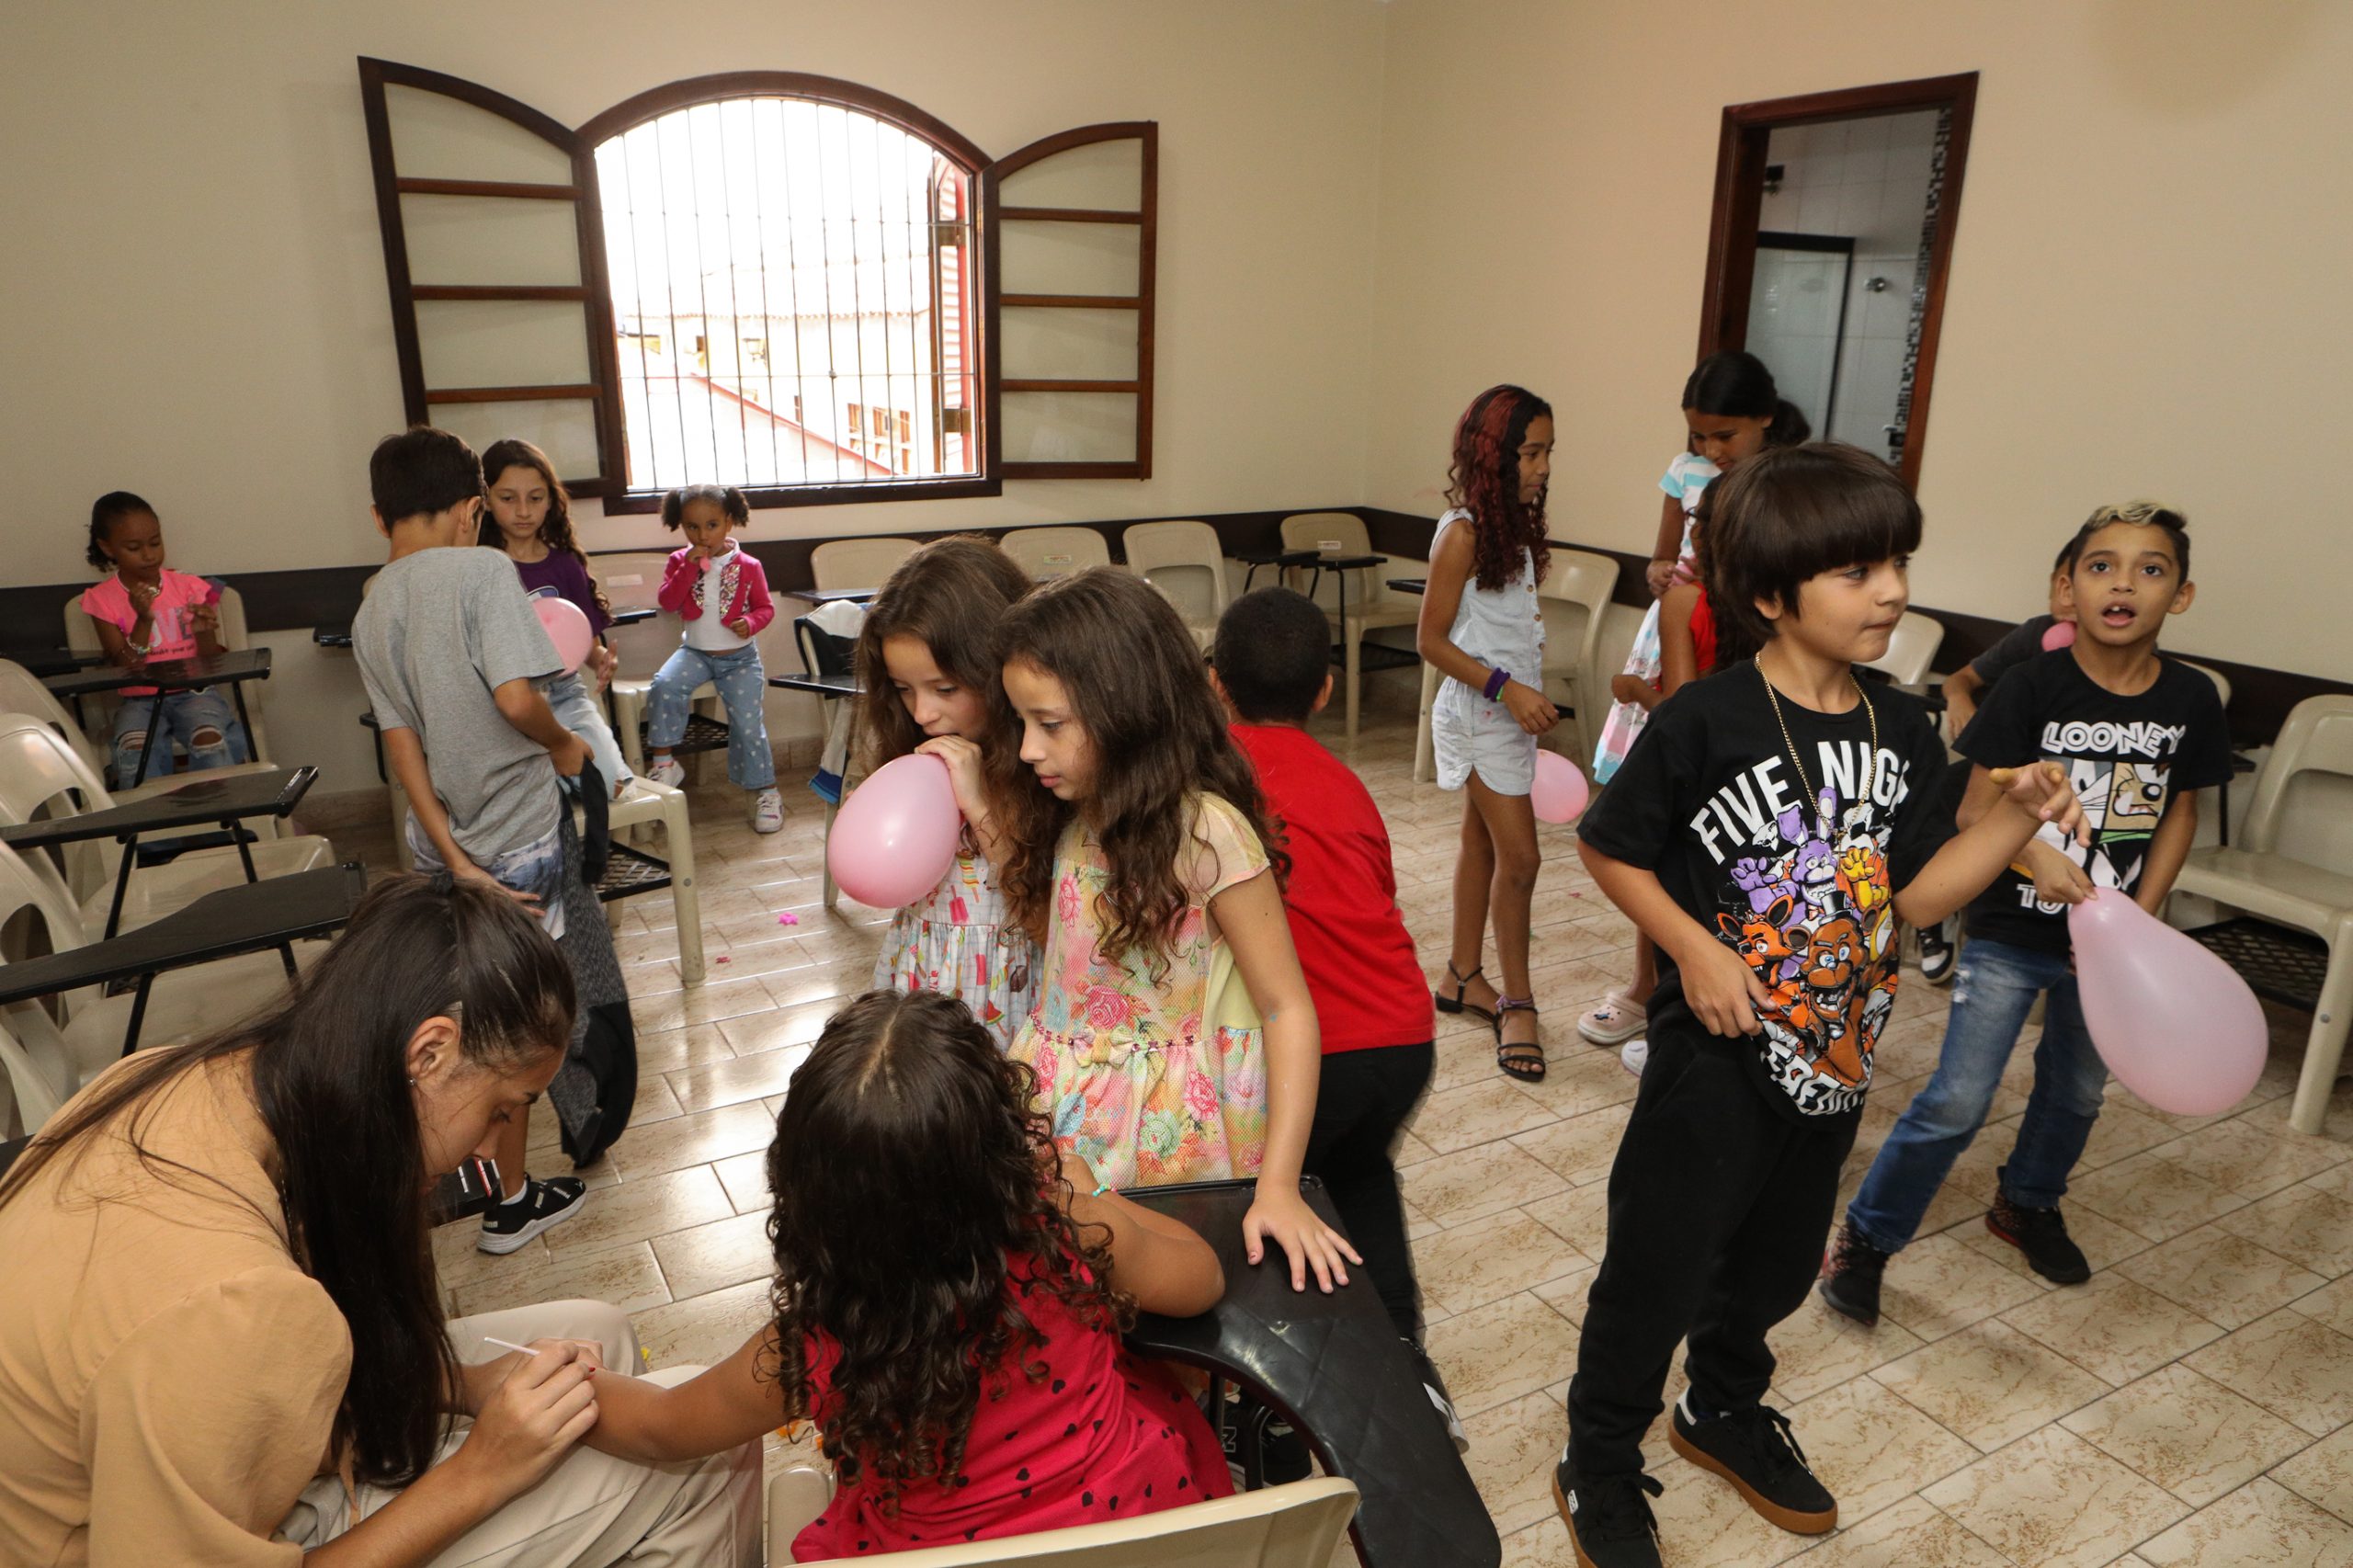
(555, 529)
(330, 1077)
(909, 1171)
(1736, 382)
(1138, 686)
(105, 512)
(949, 596)
(1483, 478)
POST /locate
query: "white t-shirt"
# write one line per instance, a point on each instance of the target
(708, 633)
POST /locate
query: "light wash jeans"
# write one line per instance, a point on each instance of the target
(187, 714)
(577, 709)
(1994, 988)
(742, 690)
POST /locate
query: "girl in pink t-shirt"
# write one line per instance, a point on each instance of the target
(145, 613)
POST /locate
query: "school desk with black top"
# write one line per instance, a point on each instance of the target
(231, 670)
(1333, 1366)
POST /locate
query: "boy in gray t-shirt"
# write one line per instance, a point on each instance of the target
(448, 649)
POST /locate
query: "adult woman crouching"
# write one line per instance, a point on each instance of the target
(222, 1339)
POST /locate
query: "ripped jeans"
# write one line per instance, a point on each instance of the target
(202, 721)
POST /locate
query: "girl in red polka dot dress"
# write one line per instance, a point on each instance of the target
(949, 1303)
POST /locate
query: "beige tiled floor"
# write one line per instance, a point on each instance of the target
(2191, 1408)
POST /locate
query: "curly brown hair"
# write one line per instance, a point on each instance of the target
(950, 596)
(1139, 689)
(910, 1173)
(1484, 480)
(555, 529)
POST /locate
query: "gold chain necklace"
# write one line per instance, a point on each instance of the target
(1870, 774)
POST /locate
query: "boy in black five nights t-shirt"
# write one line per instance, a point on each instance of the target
(1768, 831)
(2137, 735)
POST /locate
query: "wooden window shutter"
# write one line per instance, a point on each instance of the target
(494, 257)
(1071, 226)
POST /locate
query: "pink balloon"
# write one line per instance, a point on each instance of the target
(1560, 791)
(2061, 635)
(2174, 1022)
(895, 836)
(567, 629)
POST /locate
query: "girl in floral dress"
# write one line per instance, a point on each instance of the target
(926, 658)
(1173, 1038)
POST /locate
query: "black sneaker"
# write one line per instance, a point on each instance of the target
(1850, 1278)
(1441, 1401)
(543, 1204)
(2042, 1234)
(1937, 951)
(1610, 1522)
(1754, 1450)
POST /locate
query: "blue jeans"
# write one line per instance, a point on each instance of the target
(186, 716)
(570, 701)
(743, 691)
(1993, 990)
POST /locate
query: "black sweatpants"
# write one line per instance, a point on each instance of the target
(1363, 1099)
(1720, 1203)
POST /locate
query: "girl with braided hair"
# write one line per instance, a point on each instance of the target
(1483, 631)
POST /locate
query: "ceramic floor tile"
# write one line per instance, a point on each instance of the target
(1937, 1286)
(2323, 1473)
(1452, 1189)
(2159, 1200)
(2119, 1133)
(1583, 1078)
(2306, 1224)
(1501, 1351)
(2105, 1243)
(2260, 1525)
(2113, 1327)
(1814, 1349)
(702, 1330)
(1990, 1383)
(2331, 1305)
(2223, 1276)
(1912, 1534)
(1454, 1119)
(654, 1103)
(624, 1277)
(739, 1078)
(1582, 1147)
(2252, 1161)
(641, 1208)
(2052, 1500)
(1513, 1448)
(1871, 1449)
(1541, 1545)
(2288, 1364)
(687, 1047)
(710, 1258)
(745, 1177)
(2187, 1433)
(693, 1140)
(778, 1029)
(1484, 1260)
(1566, 1295)
(705, 1003)
(1706, 1524)
(1579, 1216)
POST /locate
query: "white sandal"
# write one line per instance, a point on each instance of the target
(1617, 1019)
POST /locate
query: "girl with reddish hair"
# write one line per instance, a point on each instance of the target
(1483, 631)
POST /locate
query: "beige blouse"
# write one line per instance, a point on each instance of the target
(169, 1377)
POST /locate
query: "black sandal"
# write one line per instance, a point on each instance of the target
(1513, 1057)
(1455, 1004)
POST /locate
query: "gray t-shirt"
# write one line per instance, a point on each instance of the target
(439, 630)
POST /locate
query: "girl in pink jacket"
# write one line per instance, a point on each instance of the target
(722, 593)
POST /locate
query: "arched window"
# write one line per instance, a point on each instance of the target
(768, 279)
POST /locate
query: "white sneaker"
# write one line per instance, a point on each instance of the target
(767, 811)
(1636, 1054)
(667, 770)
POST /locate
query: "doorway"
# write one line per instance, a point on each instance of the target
(1830, 247)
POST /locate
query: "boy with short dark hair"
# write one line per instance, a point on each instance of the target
(1768, 831)
(1273, 665)
(2137, 734)
(449, 650)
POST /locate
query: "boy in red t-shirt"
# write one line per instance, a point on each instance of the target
(1273, 666)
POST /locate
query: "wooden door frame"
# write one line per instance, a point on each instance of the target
(1739, 196)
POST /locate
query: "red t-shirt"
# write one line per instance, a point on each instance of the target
(1360, 964)
(1102, 1437)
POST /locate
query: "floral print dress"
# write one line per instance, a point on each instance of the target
(1152, 1078)
(960, 941)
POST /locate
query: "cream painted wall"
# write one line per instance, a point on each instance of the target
(2145, 296)
(197, 285)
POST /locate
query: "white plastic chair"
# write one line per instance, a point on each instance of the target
(1372, 603)
(2293, 815)
(632, 579)
(79, 1033)
(22, 692)
(41, 775)
(857, 562)
(1575, 596)
(40, 1073)
(1294, 1526)
(1911, 649)
(1184, 561)
(1047, 553)
(82, 637)
(644, 802)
